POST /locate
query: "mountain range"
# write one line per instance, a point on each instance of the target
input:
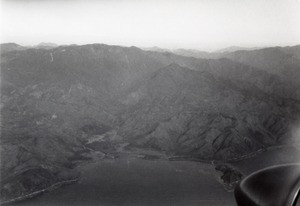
(192, 104)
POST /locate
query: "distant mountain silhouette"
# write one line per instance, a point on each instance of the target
(236, 48)
(7, 47)
(282, 61)
(156, 49)
(46, 45)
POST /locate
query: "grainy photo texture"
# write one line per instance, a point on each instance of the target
(150, 102)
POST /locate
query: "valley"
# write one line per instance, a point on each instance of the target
(85, 111)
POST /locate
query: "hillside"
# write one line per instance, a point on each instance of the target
(54, 101)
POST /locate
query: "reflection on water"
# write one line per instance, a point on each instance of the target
(129, 181)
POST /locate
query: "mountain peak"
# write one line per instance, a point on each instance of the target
(7, 47)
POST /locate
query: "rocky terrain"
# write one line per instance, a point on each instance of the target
(57, 103)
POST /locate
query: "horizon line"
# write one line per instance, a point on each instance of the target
(158, 47)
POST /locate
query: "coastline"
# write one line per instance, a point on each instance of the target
(230, 170)
(136, 181)
(36, 193)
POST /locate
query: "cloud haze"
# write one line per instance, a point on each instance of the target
(203, 24)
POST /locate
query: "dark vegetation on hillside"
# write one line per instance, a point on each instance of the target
(55, 100)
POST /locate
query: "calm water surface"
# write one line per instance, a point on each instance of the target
(132, 181)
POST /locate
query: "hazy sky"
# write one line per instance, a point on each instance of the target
(198, 24)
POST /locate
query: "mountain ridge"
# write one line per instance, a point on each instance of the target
(54, 101)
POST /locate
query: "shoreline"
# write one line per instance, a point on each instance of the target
(213, 163)
(36, 193)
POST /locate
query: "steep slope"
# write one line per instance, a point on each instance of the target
(54, 101)
(51, 100)
(198, 114)
(284, 62)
